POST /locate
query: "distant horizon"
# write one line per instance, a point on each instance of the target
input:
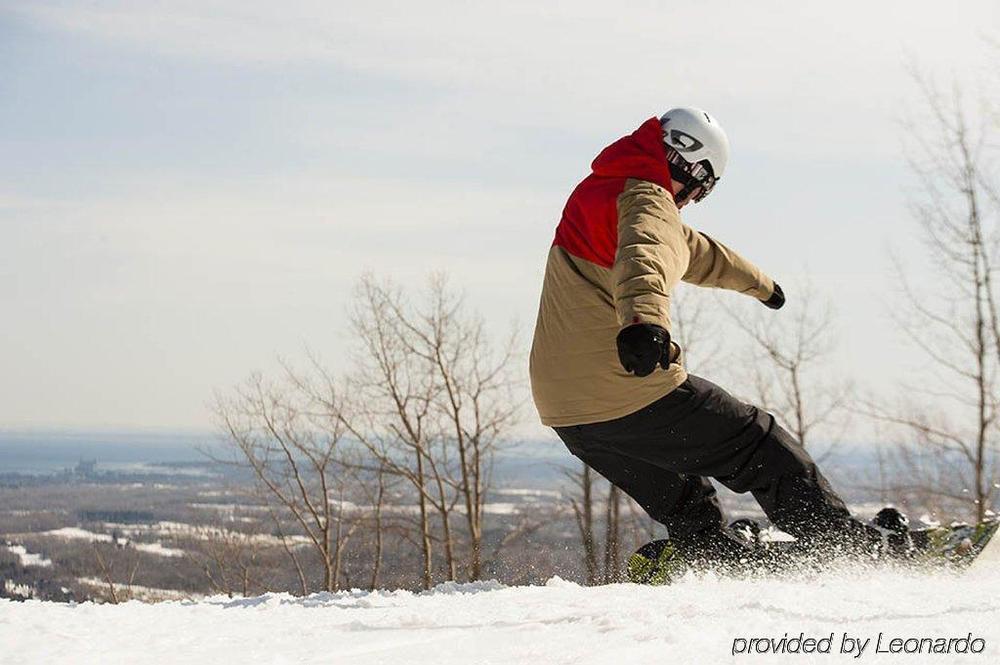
(121, 435)
(533, 463)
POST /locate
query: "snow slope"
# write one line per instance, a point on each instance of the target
(695, 621)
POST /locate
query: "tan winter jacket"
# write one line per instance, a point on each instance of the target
(619, 250)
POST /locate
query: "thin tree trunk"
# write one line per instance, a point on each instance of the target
(449, 544)
(283, 539)
(585, 523)
(477, 505)
(377, 564)
(425, 531)
(612, 553)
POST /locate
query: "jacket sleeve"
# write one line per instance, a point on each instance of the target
(652, 255)
(712, 264)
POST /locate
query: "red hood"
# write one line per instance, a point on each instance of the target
(640, 155)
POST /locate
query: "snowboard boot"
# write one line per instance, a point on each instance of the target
(886, 538)
(766, 554)
(736, 549)
(665, 561)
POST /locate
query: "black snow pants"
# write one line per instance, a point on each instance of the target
(663, 455)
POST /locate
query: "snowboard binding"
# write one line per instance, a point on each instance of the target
(736, 548)
(895, 529)
(656, 563)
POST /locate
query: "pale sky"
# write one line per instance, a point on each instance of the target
(189, 189)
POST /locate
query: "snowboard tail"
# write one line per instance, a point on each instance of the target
(966, 543)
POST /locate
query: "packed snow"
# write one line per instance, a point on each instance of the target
(125, 534)
(489, 508)
(159, 549)
(696, 621)
(530, 494)
(29, 558)
(76, 533)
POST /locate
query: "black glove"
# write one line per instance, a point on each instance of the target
(642, 346)
(777, 298)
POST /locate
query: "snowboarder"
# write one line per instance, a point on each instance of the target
(608, 378)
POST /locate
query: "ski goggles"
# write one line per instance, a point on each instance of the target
(697, 178)
(702, 179)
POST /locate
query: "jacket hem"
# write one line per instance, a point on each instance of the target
(612, 414)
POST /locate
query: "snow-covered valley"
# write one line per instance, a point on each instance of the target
(700, 620)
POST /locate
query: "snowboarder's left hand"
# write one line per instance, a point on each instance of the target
(777, 298)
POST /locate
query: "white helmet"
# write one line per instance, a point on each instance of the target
(697, 136)
(697, 149)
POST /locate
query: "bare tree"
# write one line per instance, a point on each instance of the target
(583, 511)
(602, 557)
(792, 354)
(230, 561)
(429, 401)
(395, 421)
(952, 322)
(433, 402)
(695, 321)
(117, 561)
(281, 533)
(476, 400)
(292, 451)
(612, 535)
(375, 493)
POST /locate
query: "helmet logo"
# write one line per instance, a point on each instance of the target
(684, 142)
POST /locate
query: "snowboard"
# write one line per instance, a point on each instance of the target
(958, 547)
